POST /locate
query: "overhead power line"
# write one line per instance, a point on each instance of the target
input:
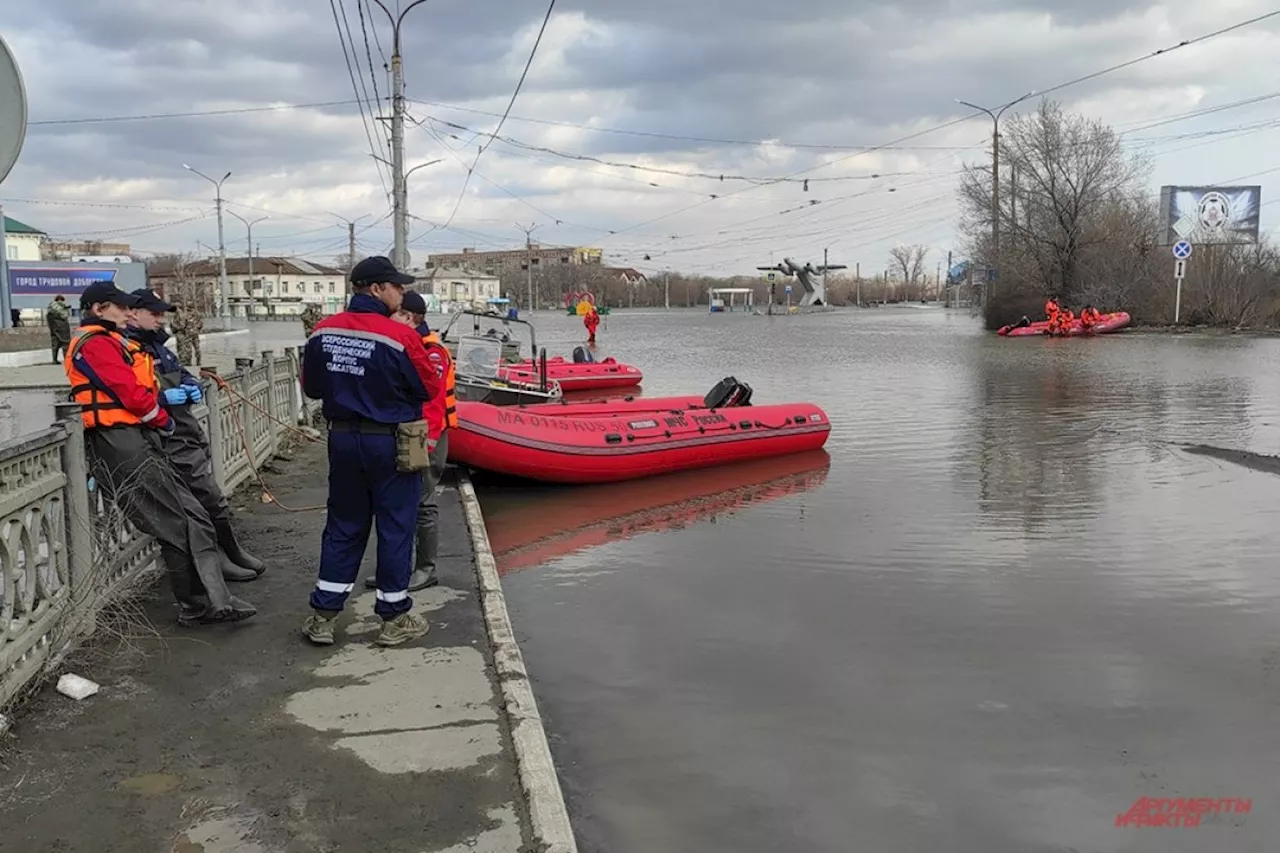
(511, 103)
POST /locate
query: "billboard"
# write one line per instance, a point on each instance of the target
(1205, 215)
(42, 280)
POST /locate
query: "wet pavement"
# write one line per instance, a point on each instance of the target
(1035, 581)
(248, 739)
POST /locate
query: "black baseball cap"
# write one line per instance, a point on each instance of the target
(378, 270)
(148, 301)
(105, 291)
(413, 303)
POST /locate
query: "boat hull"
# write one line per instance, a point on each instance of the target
(1113, 322)
(577, 376)
(612, 447)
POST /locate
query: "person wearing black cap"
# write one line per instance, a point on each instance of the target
(441, 414)
(188, 447)
(374, 376)
(114, 382)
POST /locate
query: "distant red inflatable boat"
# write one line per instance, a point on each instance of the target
(1113, 322)
(568, 446)
(576, 376)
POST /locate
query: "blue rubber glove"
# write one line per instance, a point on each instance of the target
(176, 396)
(194, 394)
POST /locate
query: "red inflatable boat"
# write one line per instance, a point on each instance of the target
(576, 376)
(565, 445)
(1113, 322)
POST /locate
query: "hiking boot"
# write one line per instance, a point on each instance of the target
(403, 628)
(319, 628)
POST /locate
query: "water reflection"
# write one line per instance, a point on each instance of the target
(533, 526)
(1016, 604)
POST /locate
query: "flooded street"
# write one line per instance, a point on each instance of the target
(1009, 604)
(26, 410)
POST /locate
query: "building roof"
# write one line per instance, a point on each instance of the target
(629, 273)
(13, 226)
(262, 266)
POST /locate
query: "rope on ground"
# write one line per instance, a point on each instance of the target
(267, 494)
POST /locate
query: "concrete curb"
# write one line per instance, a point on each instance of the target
(37, 357)
(541, 786)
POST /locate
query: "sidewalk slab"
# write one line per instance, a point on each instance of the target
(247, 739)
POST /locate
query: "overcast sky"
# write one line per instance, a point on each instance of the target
(696, 87)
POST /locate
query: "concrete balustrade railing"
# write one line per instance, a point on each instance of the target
(65, 552)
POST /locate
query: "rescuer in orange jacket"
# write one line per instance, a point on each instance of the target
(1051, 308)
(441, 414)
(1090, 317)
(114, 382)
(592, 321)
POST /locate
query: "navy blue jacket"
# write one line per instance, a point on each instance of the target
(364, 365)
(166, 361)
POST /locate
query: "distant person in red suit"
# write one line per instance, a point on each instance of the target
(592, 321)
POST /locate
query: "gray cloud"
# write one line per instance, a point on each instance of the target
(817, 71)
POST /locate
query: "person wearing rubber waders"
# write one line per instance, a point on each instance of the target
(592, 321)
(125, 425)
(441, 413)
(188, 447)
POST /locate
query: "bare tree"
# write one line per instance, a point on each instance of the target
(907, 263)
(185, 278)
(1070, 182)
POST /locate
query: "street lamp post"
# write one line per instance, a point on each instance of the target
(248, 224)
(399, 192)
(224, 307)
(995, 179)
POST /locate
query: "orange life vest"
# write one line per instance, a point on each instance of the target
(432, 342)
(100, 408)
(1051, 308)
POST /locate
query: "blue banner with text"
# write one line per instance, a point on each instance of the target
(50, 281)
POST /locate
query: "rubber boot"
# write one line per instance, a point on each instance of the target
(237, 574)
(235, 554)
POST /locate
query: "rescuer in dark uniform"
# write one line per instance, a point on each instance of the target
(373, 375)
(441, 413)
(188, 447)
(114, 382)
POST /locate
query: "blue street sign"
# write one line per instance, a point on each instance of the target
(54, 279)
(788, 288)
(1182, 250)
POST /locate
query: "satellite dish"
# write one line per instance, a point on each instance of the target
(13, 110)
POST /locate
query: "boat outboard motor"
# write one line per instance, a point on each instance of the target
(728, 393)
(582, 355)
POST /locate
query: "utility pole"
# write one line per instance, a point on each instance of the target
(857, 274)
(351, 246)
(947, 299)
(528, 258)
(995, 183)
(6, 299)
(249, 243)
(224, 306)
(666, 287)
(399, 191)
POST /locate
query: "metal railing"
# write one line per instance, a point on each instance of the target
(65, 552)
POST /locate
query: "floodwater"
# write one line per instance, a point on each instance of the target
(28, 410)
(1008, 605)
